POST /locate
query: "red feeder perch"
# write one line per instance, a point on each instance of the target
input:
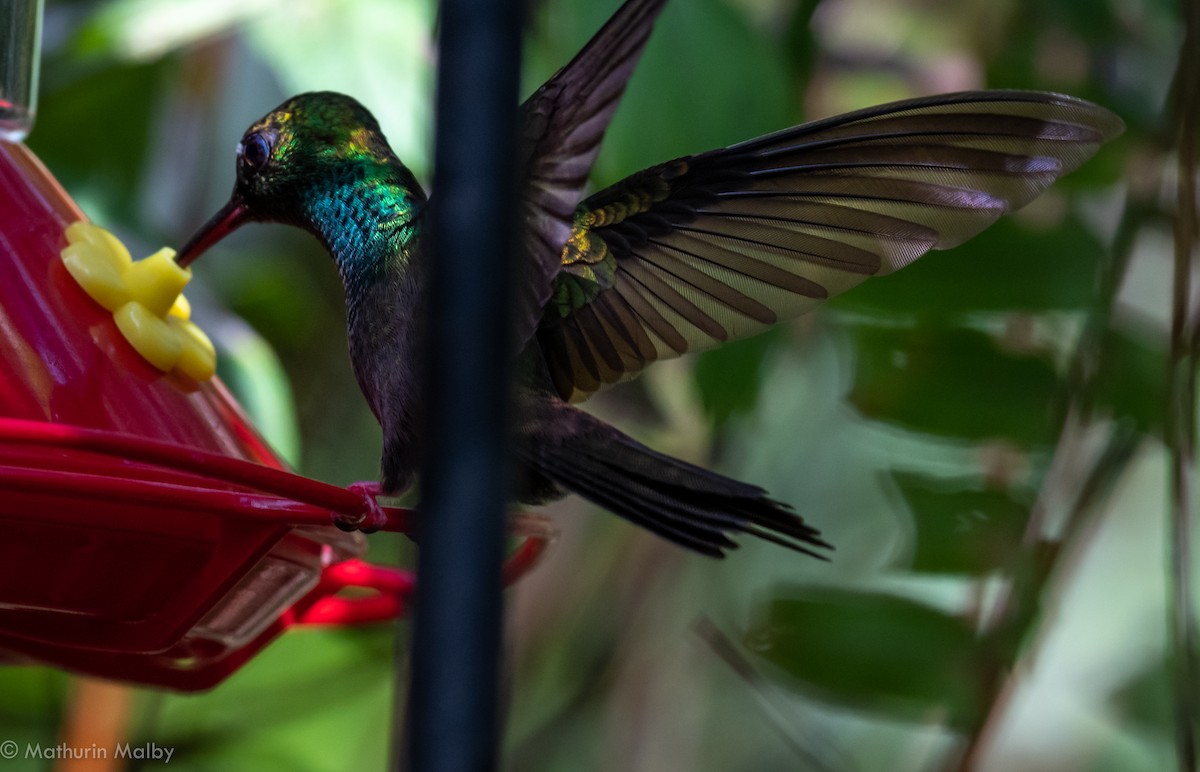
(150, 535)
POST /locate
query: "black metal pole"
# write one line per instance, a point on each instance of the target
(453, 709)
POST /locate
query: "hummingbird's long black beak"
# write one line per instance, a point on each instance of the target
(226, 221)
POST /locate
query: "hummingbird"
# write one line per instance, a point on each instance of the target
(677, 258)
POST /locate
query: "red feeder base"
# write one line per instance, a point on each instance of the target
(149, 533)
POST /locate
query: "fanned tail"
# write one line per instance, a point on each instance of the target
(681, 502)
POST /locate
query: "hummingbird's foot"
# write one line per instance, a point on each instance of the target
(371, 517)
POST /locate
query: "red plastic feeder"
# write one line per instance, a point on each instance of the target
(150, 534)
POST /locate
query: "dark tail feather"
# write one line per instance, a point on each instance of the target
(686, 504)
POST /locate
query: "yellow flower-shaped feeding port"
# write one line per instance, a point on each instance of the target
(144, 297)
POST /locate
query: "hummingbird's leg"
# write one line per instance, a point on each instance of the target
(372, 517)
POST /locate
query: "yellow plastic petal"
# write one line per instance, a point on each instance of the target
(156, 281)
(150, 335)
(198, 359)
(182, 308)
(107, 246)
(145, 298)
(98, 269)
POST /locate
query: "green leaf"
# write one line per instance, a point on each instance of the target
(143, 30)
(961, 531)
(1131, 379)
(93, 132)
(873, 651)
(279, 295)
(801, 42)
(722, 99)
(955, 383)
(1008, 267)
(728, 377)
(1145, 699)
(31, 696)
(252, 371)
(316, 699)
(377, 51)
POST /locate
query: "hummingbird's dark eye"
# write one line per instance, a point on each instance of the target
(255, 151)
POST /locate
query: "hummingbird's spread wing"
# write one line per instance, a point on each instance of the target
(564, 121)
(713, 247)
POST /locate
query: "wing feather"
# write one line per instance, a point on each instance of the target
(564, 122)
(721, 245)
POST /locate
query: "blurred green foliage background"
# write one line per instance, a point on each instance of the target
(980, 435)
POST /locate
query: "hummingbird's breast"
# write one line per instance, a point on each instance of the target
(384, 331)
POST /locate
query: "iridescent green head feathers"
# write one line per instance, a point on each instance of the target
(318, 140)
(318, 161)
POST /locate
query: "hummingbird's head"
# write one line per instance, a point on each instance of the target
(309, 145)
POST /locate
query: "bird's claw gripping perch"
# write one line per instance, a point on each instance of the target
(371, 517)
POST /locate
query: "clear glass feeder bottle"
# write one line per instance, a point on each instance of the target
(20, 44)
